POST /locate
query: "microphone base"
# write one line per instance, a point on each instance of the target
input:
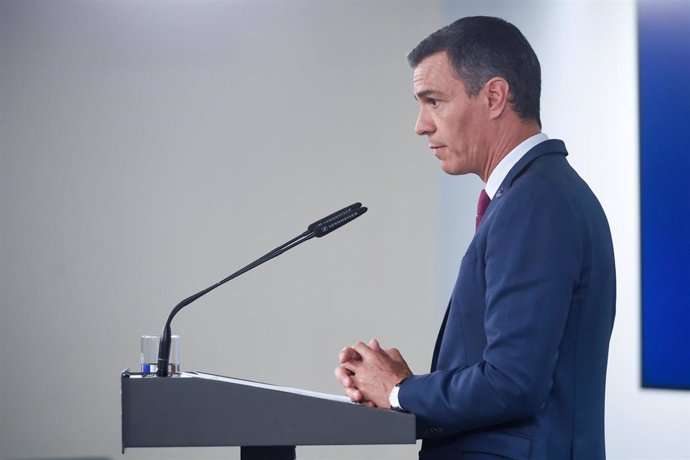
(268, 453)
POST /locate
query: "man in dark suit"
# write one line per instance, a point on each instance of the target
(519, 366)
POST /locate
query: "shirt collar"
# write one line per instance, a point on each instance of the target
(504, 166)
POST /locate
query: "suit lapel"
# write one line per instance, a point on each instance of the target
(439, 338)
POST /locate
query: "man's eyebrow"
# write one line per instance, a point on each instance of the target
(425, 94)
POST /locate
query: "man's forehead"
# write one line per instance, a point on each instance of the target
(437, 63)
(434, 73)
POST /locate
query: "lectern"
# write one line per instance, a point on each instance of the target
(267, 421)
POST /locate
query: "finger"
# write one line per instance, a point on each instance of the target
(351, 366)
(368, 403)
(347, 382)
(348, 354)
(341, 371)
(375, 345)
(362, 349)
(354, 394)
(343, 376)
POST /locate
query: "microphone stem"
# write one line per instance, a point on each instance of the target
(166, 335)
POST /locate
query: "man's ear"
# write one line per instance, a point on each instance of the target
(497, 93)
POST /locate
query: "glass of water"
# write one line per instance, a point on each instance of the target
(149, 354)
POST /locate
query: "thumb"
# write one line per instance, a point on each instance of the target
(395, 354)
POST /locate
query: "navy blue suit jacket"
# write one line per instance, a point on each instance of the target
(519, 367)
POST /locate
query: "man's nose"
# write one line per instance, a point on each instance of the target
(424, 125)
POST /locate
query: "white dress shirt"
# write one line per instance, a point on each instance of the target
(504, 166)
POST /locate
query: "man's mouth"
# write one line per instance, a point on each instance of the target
(436, 149)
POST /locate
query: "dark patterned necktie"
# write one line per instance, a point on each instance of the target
(482, 204)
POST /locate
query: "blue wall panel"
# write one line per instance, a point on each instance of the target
(664, 62)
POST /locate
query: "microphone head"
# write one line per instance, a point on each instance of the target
(335, 216)
(327, 227)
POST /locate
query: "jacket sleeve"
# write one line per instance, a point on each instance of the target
(533, 261)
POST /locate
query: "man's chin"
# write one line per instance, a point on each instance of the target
(453, 170)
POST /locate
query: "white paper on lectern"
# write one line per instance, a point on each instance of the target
(267, 386)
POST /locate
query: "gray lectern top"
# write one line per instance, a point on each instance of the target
(197, 409)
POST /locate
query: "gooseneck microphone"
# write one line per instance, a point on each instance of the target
(317, 229)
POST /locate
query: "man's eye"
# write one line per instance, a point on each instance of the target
(433, 102)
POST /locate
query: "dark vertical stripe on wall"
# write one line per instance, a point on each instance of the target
(664, 65)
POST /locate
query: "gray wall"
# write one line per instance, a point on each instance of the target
(149, 148)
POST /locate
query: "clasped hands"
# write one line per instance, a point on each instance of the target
(368, 372)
